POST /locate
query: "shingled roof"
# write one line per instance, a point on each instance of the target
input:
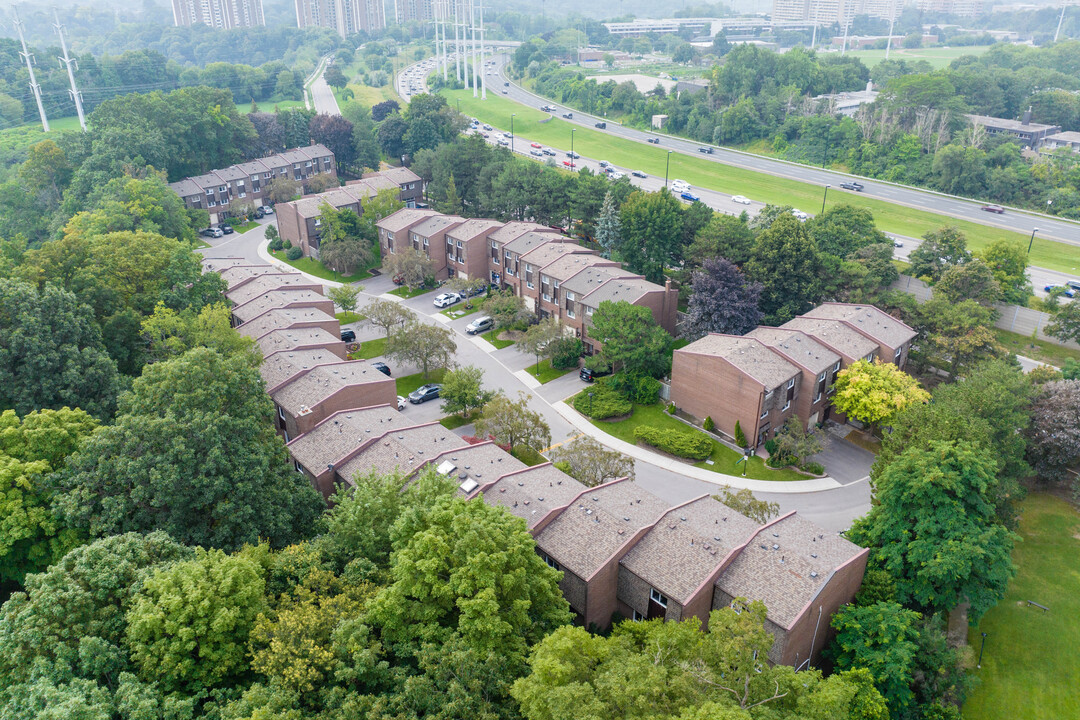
(749, 355)
(281, 366)
(341, 434)
(266, 282)
(292, 338)
(835, 334)
(402, 450)
(531, 493)
(798, 347)
(284, 318)
(274, 299)
(867, 319)
(319, 382)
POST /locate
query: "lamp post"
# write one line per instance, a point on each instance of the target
(981, 648)
(826, 195)
(573, 158)
(1032, 240)
(512, 116)
(590, 404)
(666, 166)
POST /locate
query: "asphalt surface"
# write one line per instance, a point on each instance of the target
(323, 97)
(833, 509)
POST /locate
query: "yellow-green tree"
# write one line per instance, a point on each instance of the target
(875, 392)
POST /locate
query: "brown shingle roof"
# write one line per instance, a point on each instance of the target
(512, 230)
(798, 347)
(238, 274)
(599, 522)
(834, 334)
(585, 281)
(437, 223)
(398, 175)
(401, 450)
(878, 324)
(688, 545)
(186, 188)
(476, 465)
(532, 492)
(216, 264)
(524, 243)
(779, 566)
(373, 184)
(309, 388)
(280, 366)
(548, 253)
(265, 283)
(284, 318)
(750, 356)
(473, 228)
(274, 299)
(569, 265)
(290, 338)
(340, 434)
(616, 289)
(403, 218)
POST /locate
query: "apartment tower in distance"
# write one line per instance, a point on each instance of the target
(408, 10)
(347, 17)
(225, 14)
(827, 12)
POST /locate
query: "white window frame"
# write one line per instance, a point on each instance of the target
(764, 414)
(899, 352)
(298, 466)
(638, 617)
(658, 597)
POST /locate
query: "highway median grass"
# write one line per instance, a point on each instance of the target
(734, 180)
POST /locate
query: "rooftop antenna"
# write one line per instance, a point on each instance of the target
(30, 67)
(71, 65)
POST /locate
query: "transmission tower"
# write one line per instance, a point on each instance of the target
(71, 65)
(30, 68)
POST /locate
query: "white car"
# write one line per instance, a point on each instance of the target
(616, 174)
(507, 135)
(401, 402)
(447, 299)
(803, 217)
(536, 153)
(680, 186)
(741, 199)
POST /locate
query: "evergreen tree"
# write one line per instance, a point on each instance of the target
(451, 200)
(608, 226)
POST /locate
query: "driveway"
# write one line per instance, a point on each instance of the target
(845, 461)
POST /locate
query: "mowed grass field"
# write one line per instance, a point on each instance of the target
(1029, 669)
(700, 172)
(938, 57)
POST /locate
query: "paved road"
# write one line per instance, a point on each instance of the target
(1016, 220)
(833, 509)
(323, 96)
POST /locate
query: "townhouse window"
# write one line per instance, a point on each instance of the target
(529, 284)
(588, 311)
(307, 164)
(570, 312)
(897, 354)
(835, 371)
(547, 297)
(764, 413)
(737, 607)
(556, 285)
(550, 562)
(286, 434)
(389, 235)
(296, 166)
(820, 387)
(790, 393)
(243, 194)
(211, 203)
(239, 183)
(638, 617)
(222, 189)
(318, 222)
(459, 244)
(210, 192)
(299, 468)
(425, 242)
(254, 178)
(869, 358)
(656, 597)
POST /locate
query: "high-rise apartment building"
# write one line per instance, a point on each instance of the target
(345, 16)
(963, 8)
(408, 10)
(225, 14)
(826, 12)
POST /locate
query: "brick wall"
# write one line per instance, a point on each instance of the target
(706, 386)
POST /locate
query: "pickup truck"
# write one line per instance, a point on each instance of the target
(568, 115)
(602, 125)
(857, 187)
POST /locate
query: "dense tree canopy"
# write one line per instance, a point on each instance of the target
(632, 341)
(787, 263)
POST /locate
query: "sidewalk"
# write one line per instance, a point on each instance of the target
(682, 468)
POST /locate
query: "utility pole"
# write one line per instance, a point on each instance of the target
(457, 38)
(67, 62)
(483, 77)
(475, 54)
(1060, 18)
(444, 10)
(843, 48)
(892, 21)
(30, 68)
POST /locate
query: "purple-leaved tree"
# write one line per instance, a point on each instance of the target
(723, 301)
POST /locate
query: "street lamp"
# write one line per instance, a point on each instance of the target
(590, 404)
(981, 648)
(824, 197)
(666, 166)
(573, 158)
(1033, 231)
(512, 116)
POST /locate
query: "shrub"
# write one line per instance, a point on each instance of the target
(565, 352)
(275, 244)
(285, 244)
(647, 390)
(708, 425)
(770, 446)
(692, 445)
(607, 402)
(294, 253)
(813, 467)
(740, 436)
(671, 409)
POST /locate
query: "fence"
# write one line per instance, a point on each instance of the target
(1013, 318)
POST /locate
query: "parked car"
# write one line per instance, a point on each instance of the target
(601, 125)
(994, 209)
(267, 210)
(741, 199)
(382, 367)
(348, 336)
(654, 141)
(227, 229)
(400, 402)
(447, 299)
(536, 145)
(856, 186)
(398, 279)
(705, 149)
(211, 232)
(638, 174)
(480, 325)
(424, 393)
(588, 374)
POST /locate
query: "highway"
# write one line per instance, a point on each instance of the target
(323, 96)
(1050, 228)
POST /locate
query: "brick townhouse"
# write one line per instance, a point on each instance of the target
(218, 190)
(408, 183)
(770, 374)
(620, 548)
(281, 299)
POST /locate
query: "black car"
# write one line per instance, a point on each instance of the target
(654, 141)
(568, 115)
(424, 393)
(638, 174)
(259, 214)
(857, 187)
(382, 367)
(227, 229)
(588, 374)
(706, 150)
(602, 125)
(348, 336)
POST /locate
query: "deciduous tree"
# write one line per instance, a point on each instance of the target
(1008, 260)
(345, 297)
(505, 308)
(590, 463)
(725, 236)
(958, 333)
(973, 280)
(1055, 430)
(1065, 324)
(422, 345)
(843, 229)
(651, 225)
(940, 250)
(462, 390)
(513, 423)
(170, 333)
(875, 392)
(723, 300)
(413, 266)
(787, 263)
(336, 133)
(539, 339)
(743, 501)
(385, 314)
(631, 338)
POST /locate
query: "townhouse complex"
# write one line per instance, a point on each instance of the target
(770, 374)
(620, 548)
(300, 221)
(218, 191)
(556, 277)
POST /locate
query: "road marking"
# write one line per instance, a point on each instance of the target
(560, 444)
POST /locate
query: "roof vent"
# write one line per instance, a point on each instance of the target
(588, 511)
(775, 547)
(541, 499)
(716, 538)
(468, 486)
(776, 535)
(813, 574)
(682, 518)
(626, 519)
(813, 555)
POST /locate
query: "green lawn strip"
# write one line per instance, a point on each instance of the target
(313, 267)
(491, 337)
(546, 373)
(723, 457)
(937, 57)
(348, 317)
(459, 311)
(409, 383)
(1043, 351)
(244, 227)
(527, 455)
(405, 292)
(369, 349)
(453, 422)
(741, 181)
(269, 106)
(1026, 671)
(370, 96)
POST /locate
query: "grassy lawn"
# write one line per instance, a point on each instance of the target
(370, 349)
(244, 227)
(527, 455)
(348, 317)
(460, 311)
(1043, 351)
(545, 373)
(736, 180)
(269, 106)
(1026, 671)
(491, 337)
(723, 457)
(937, 57)
(408, 383)
(313, 267)
(370, 96)
(453, 422)
(405, 292)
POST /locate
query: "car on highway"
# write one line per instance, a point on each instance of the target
(424, 393)
(536, 145)
(705, 149)
(740, 199)
(615, 174)
(446, 300)
(548, 151)
(536, 153)
(487, 127)
(485, 135)
(506, 84)
(994, 209)
(604, 163)
(382, 367)
(480, 324)
(856, 186)
(803, 217)
(505, 91)
(569, 164)
(601, 125)
(897, 243)
(507, 135)
(1066, 291)
(573, 155)
(654, 141)
(679, 185)
(348, 336)
(568, 115)
(638, 174)
(504, 142)
(689, 197)
(548, 108)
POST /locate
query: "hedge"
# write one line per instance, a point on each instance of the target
(294, 253)
(605, 403)
(693, 446)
